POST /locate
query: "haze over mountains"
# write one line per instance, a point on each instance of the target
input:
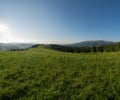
(15, 46)
(23, 46)
(95, 43)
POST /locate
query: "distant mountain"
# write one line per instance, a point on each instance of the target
(23, 46)
(95, 43)
(15, 46)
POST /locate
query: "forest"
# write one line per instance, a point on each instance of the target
(108, 48)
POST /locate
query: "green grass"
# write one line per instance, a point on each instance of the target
(44, 74)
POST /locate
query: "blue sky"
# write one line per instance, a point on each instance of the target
(59, 21)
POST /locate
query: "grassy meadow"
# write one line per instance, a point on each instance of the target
(44, 74)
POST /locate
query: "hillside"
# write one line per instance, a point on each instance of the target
(44, 74)
(108, 48)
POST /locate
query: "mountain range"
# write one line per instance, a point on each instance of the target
(23, 46)
(91, 43)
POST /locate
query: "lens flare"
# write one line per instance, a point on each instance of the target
(6, 34)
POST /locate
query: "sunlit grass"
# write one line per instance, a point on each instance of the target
(44, 74)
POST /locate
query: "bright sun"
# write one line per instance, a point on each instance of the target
(6, 34)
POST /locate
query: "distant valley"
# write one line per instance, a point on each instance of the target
(15, 46)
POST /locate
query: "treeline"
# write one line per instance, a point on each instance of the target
(109, 48)
(17, 49)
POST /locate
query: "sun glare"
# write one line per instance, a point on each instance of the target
(6, 34)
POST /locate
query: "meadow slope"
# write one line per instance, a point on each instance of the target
(44, 74)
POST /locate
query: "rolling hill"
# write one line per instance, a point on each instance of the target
(44, 74)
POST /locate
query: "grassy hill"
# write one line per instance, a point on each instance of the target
(44, 74)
